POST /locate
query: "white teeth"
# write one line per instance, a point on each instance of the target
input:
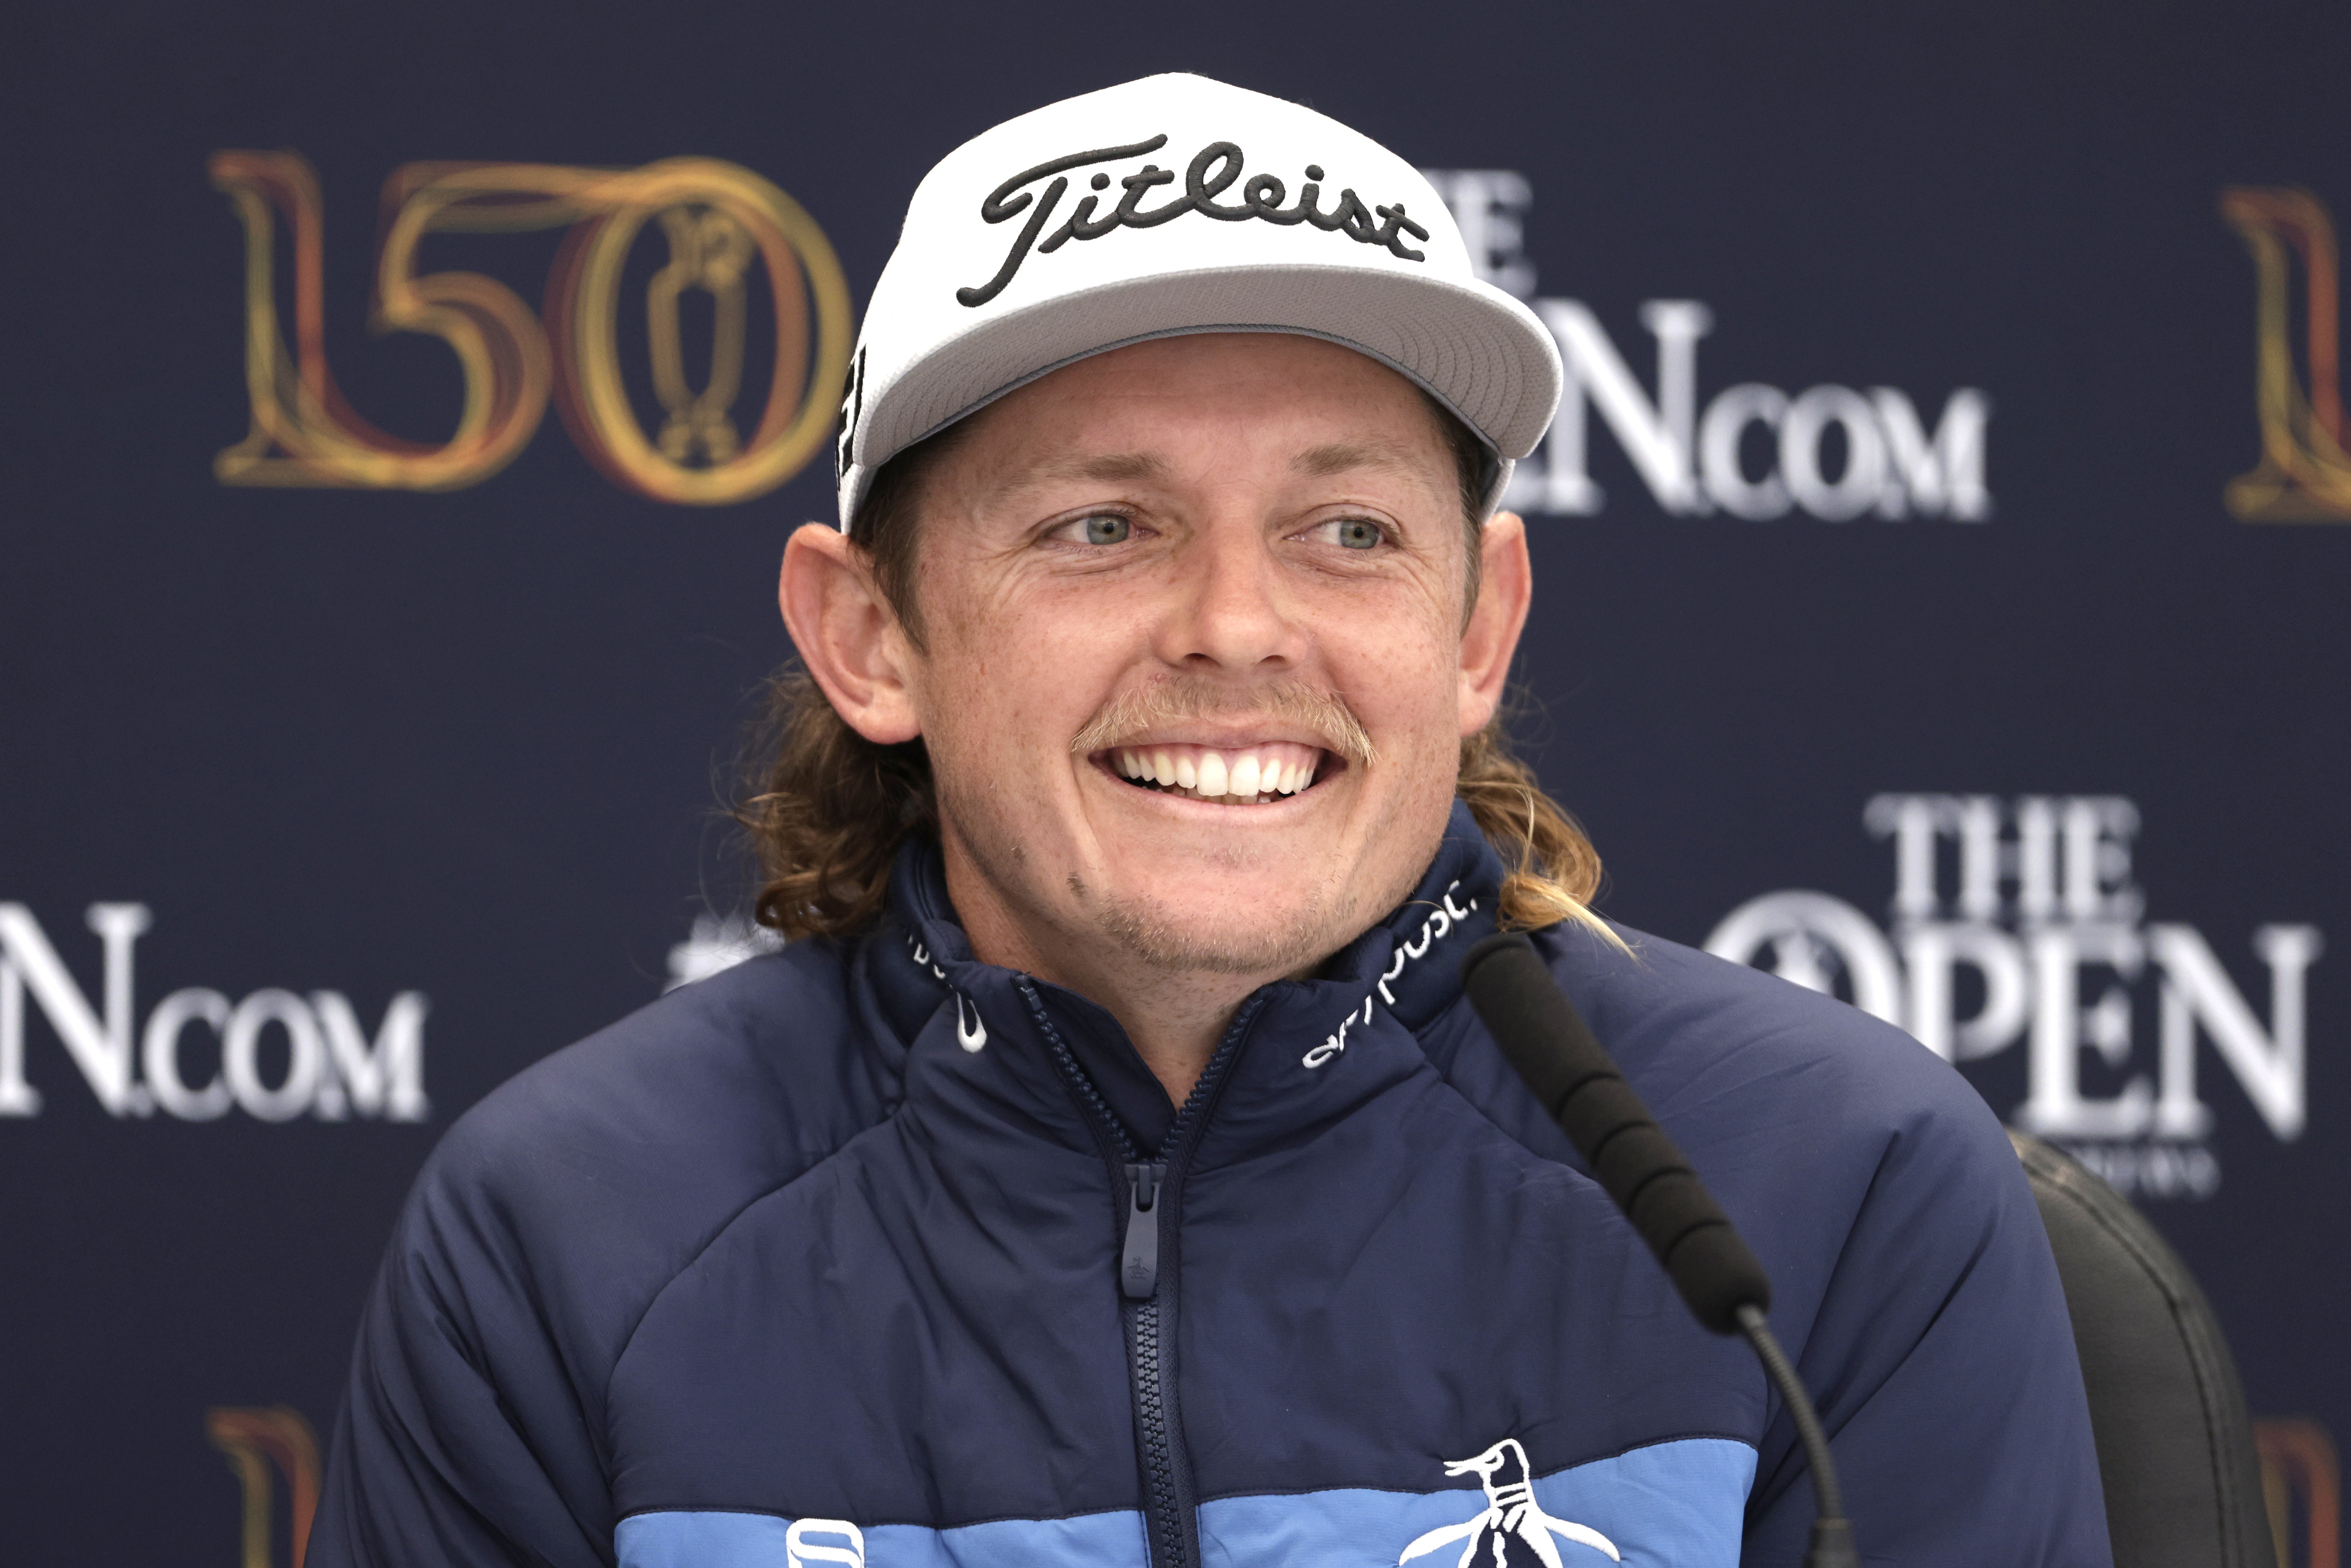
(1201, 773)
(1212, 773)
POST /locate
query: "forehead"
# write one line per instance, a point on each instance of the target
(1152, 411)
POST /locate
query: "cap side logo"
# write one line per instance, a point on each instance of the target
(1209, 175)
(853, 404)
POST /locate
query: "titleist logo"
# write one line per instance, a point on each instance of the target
(1211, 175)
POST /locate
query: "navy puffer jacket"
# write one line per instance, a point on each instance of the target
(819, 1261)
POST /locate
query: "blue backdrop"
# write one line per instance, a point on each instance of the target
(1941, 560)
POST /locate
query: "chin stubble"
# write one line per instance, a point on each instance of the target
(1298, 938)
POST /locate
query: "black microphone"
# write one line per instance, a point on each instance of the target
(1546, 1041)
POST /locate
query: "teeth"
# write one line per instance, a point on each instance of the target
(1201, 773)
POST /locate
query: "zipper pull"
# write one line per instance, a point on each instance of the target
(1138, 1265)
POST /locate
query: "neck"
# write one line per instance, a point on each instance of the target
(1176, 1018)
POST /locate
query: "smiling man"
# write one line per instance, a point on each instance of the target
(1111, 1171)
(1199, 626)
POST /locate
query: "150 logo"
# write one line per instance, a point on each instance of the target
(254, 1441)
(1886, 461)
(333, 1069)
(2029, 908)
(2304, 474)
(720, 221)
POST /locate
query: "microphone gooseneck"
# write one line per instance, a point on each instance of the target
(1554, 1051)
(1832, 1534)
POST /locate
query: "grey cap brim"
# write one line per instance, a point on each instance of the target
(1475, 348)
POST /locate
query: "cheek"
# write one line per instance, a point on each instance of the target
(1405, 680)
(1010, 674)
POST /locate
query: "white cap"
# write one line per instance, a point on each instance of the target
(1170, 206)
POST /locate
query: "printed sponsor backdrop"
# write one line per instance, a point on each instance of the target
(1941, 554)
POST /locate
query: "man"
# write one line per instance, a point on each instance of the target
(1113, 1173)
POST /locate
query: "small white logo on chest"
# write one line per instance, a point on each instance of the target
(970, 1035)
(799, 1551)
(1514, 1531)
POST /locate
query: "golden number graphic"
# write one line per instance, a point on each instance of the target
(252, 1439)
(718, 219)
(2304, 474)
(727, 215)
(296, 407)
(2302, 1482)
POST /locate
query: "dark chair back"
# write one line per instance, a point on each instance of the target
(2175, 1444)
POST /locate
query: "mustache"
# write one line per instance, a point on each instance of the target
(1132, 714)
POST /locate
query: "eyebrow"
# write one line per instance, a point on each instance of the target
(1320, 462)
(1103, 468)
(1347, 456)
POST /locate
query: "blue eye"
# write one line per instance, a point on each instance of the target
(1108, 529)
(1357, 533)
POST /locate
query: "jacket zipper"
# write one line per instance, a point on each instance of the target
(1147, 1282)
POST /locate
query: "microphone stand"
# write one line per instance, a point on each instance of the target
(1551, 1048)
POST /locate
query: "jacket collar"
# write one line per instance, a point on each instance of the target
(1310, 1048)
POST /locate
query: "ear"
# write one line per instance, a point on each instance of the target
(847, 635)
(1505, 588)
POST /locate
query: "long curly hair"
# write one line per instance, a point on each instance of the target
(825, 810)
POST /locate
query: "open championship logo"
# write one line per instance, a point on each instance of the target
(333, 1069)
(2036, 936)
(1830, 452)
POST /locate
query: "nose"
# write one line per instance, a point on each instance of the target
(1231, 610)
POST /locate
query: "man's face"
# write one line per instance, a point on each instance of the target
(1159, 589)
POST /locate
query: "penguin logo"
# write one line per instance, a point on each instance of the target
(1513, 1519)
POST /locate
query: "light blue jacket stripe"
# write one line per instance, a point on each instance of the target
(1672, 1505)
